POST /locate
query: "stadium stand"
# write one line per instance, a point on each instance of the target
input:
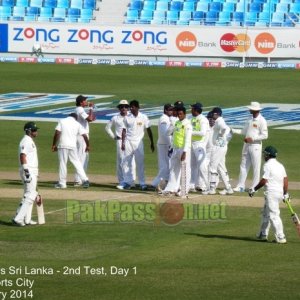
(260, 13)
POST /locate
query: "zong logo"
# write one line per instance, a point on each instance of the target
(145, 37)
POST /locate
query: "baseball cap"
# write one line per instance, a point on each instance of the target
(178, 103)
(271, 151)
(197, 105)
(217, 110)
(168, 106)
(254, 106)
(123, 103)
(80, 99)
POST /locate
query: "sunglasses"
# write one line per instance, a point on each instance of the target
(123, 106)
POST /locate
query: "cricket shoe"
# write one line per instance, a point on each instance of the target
(226, 192)
(209, 192)
(77, 184)
(60, 186)
(166, 194)
(86, 184)
(31, 222)
(124, 186)
(18, 223)
(144, 187)
(279, 241)
(238, 189)
(262, 237)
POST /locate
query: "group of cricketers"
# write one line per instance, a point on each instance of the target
(191, 155)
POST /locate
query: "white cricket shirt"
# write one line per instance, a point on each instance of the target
(27, 147)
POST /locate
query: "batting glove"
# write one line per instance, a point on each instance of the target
(286, 198)
(27, 175)
(220, 142)
(251, 192)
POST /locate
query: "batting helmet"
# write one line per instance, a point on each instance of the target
(30, 126)
(270, 151)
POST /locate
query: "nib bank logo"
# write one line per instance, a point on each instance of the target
(186, 41)
(265, 43)
(230, 42)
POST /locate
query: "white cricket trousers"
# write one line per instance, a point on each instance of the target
(163, 164)
(199, 170)
(24, 211)
(251, 156)
(134, 150)
(174, 182)
(218, 166)
(63, 156)
(83, 156)
(271, 215)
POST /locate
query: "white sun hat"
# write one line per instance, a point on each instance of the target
(254, 106)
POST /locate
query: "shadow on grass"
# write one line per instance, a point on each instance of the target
(7, 223)
(226, 237)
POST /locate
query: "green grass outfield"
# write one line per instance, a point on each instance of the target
(192, 260)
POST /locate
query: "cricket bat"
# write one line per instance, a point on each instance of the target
(40, 210)
(183, 183)
(295, 218)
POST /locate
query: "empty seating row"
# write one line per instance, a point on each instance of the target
(50, 3)
(224, 18)
(46, 14)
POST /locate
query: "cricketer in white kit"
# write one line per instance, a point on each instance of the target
(182, 135)
(200, 136)
(275, 182)
(220, 138)
(163, 146)
(64, 141)
(255, 131)
(133, 145)
(84, 119)
(28, 162)
(117, 122)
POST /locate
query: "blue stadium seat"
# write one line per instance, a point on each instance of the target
(31, 14)
(255, 7)
(136, 5)
(286, 1)
(250, 18)
(132, 16)
(162, 5)
(9, 3)
(184, 17)
(18, 13)
(59, 14)
(76, 4)
(268, 7)
(36, 3)
(45, 14)
(149, 5)
(205, 1)
(176, 5)
(159, 17)
(86, 15)
(172, 17)
(237, 18)
(188, 6)
(198, 16)
(63, 4)
(240, 7)
(211, 18)
(224, 18)
(145, 16)
(91, 4)
(228, 6)
(215, 6)
(263, 19)
(202, 6)
(277, 19)
(22, 3)
(295, 8)
(50, 3)
(282, 7)
(5, 13)
(73, 14)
